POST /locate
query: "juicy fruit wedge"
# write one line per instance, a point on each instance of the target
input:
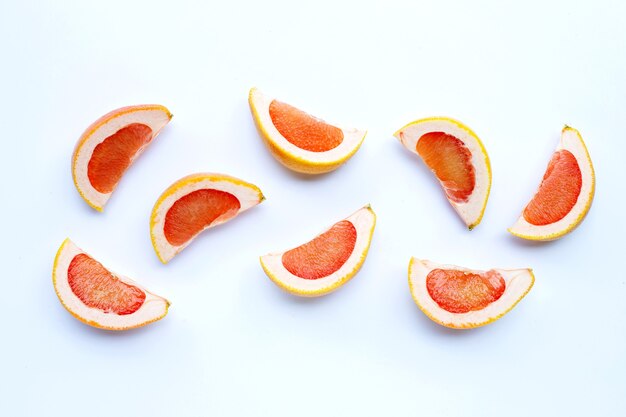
(328, 261)
(457, 158)
(462, 298)
(565, 194)
(299, 141)
(100, 298)
(110, 145)
(195, 203)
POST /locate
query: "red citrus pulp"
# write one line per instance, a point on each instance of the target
(98, 288)
(460, 292)
(558, 192)
(323, 255)
(195, 211)
(303, 130)
(451, 161)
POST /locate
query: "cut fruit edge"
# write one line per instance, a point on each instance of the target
(471, 211)
(249, 195)
(152, 309)
(291, 155)
(572, 141)
(518, 284)
(152, 115)
(364, 221)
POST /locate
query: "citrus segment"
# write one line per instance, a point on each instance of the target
(99, 297)
(558, 191)
(326, 262)
(463, 298)
(98, 288)
(112, 157)
(195, 203)
(451, 161)
(565, 194)
(195, 211)
(323, 255)
(300, 141)
(109, 146)
(304, 130)
(461, 292)
(457, 157)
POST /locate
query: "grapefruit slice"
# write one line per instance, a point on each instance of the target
(565, 194)
(100, 298)
(462, 298)
(325, 263)
(195, 203)
(299, 141)
(110, 145)
(457, 158)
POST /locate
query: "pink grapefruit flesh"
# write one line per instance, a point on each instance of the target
(112, 157)
(97, 288)
(451, 161)
(195, 211)
(558, 192)
(303, 130)
(323, 255)
(461, 292)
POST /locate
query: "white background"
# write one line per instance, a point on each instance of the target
(233, 344)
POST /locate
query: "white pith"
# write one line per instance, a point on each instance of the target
(471, 210)
(153, 308)
(247, 194)
(573, 142)
(517, 283)
(156, 119)
(352, 137)
(364, 221)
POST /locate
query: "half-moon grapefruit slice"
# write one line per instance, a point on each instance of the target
(325, 263)
(99, 297)
(301, 142)
(195, 203)
(458, 159)
(462, 298)
(109, 146)
(565, 194)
